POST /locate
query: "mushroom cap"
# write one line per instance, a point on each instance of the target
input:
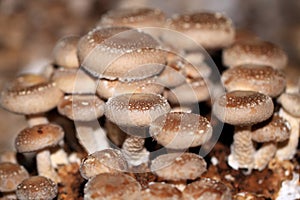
(243, 107)
(179, 130)
(206, 188)
(255, 52)
(37, 187)
(161, 191)
(274, 129)
(176, 166)
(81, 107)
(65, 52)
(211, 30)
(31, 96)
(260, 78)
(112, 186)
(108, 88)
(38, 137)
(120, 52)
(104, 161)
(11, 175)
(291, 103)
(134, 17)
(74, 81)
(137, 109)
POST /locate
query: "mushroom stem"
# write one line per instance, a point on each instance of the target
(264, 155)
(288, 150)
(91, 136)
(44, 166)
(8, 156)
(36, 119)
(242, 149)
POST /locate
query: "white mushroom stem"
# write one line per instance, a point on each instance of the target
(8, 156)
(59, 157)
(242, 149)
(289, 149)
(264, 155)
(134, 151)
(91, 136)
(36, 119)
(44, 165)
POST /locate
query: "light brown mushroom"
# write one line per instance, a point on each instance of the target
(37, 187)
(120, 53)
(260, 78)
(243, 109)
(255, 52)
(104, 161)
(39, 139)
(178, 130)
(291, 103)
(161, 191)
(65, 52)
(112, 186)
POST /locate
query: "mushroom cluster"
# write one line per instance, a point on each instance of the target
(141, 98)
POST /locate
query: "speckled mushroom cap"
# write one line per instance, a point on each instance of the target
(255, 52)
(104, 161)
(65, 52)
(137, 109)
(211, 30)
(179, 130)
(291, 103)
(120, 52)
(260, 78)
(274, 129)
(74, 81)
(161, 191)
(134, 17)
(108, 88)
(243, 107)
(30, 95)
(37, 187)
(176, 166)
(207, 188)
(11, 175)
(38, 137)
(81, 107)
(112, 186)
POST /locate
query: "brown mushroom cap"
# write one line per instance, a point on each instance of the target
(274, 129)
(37, 187)
(211, 30)
(38, 137)
(120, 52)
(65, 52)
(291, 103)
(175, 166)
(178, 130)
(207, 188)
(255, 52)
(161, 191)
(260, 78)
(34, 96)
(243, 107)
(108, 88)
(11, 175)
(112, 186)
(133, 17)
(81, 107)
(137, 109)
(104, 161)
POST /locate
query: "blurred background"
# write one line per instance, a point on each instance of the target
(30, 28)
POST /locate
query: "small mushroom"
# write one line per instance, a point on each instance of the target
(178, 130)
(104, 161)
(255, 52)
(161, 191)
(291, 103)
(206, 188)
(39, 139)
(112, 186)
(37, 187)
